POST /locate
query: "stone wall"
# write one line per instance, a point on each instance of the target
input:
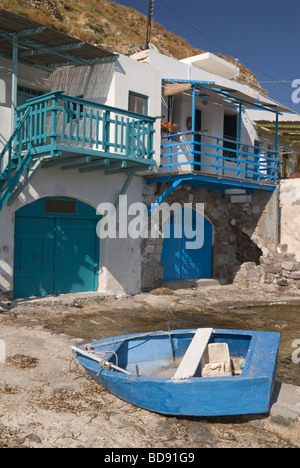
(289, 193)
(279, 266)
(278, 270)
(242, 232)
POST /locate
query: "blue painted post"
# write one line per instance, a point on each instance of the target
(150, 137)
(217, 156)
(43, 115)
(134, 138)
(258, 165)
(84, 127)
(171, 188)
(239, 140)
(116, 132)
(143, 140)
(122, 134)
(97, 129)
(106, 135)
(170, 152)
(127, 137)
(30, 132)
(53, 122)
(91, 127)
(64, 121)
(276, 148)
(70, 120)
(35, 114)
(44, 106)
(193, 127)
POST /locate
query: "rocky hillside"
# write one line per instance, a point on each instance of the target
(106, 23)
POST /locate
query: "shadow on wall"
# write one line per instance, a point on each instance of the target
(92, 83)
(247, 250)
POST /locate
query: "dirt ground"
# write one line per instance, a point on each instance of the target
(46, 401)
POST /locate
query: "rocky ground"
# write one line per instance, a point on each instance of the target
(48, 402)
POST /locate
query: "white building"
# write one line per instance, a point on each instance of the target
(80, 126)
(80, 153)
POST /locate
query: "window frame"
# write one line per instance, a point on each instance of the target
(140, 96)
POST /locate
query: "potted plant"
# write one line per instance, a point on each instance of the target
(167, 127)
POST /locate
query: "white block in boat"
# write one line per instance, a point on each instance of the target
(217, 362)
(191, 362)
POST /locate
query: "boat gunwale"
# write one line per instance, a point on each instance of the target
(250, 371)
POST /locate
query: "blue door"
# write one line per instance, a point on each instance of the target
(56, 248)
(181, 262)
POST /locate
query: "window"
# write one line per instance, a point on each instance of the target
(24, 94)
(138, 103)
(60, 206)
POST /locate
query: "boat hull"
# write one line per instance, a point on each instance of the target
(248, 393)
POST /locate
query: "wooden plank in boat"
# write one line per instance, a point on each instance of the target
(192, 358)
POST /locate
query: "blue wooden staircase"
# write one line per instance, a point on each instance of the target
(16, 162)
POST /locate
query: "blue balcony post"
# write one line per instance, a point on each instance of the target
(258, 165)
(276, 148)
(150, 140)
(239, 140)
(217, 156)
(170, 152)
(106, 130)
(193, 128)
(53, 122)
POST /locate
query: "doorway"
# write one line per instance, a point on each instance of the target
(56, 248)
(181, 262)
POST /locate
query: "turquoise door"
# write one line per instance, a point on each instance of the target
(56, 248)
(182, 262)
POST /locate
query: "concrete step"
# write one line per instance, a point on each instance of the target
(191, 284)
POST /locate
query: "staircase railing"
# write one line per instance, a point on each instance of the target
(14, 160)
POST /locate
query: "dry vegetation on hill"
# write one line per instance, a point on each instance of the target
(104, 22)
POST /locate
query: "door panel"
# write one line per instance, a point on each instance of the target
(34, 257)
(181, 262)
(54, 255)
(76, 265)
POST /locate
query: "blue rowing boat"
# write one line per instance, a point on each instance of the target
(204, 372)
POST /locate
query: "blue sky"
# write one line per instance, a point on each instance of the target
(263, 34)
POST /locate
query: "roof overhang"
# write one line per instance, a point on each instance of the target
(46, 48)
(227, 96)
(288, 131)
(213, 64)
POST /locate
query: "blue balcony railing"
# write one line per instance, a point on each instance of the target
(216, 156)
(61, 123)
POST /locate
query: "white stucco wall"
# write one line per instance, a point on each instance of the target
(289, 217)
(120, 259)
